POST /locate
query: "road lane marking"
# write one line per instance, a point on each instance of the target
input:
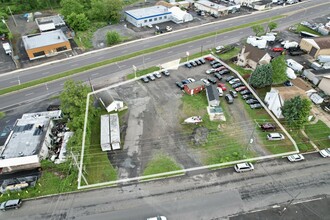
(44, 73)
(94, 74)
(191, 46)
(170, 52)
(29, 94)
(124, 51)
(15, 81)
(147, 58)
(166, 40)
(75, 64)
(62, 84)
(99, 58)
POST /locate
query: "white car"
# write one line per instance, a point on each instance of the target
(210, 71)
(296, 158)
(205, 81)
(157, 74)
(191, 80)
(219, 47)
(231, 82)
(325, 152)
(220, 92)
(157, 218)
(242, 167)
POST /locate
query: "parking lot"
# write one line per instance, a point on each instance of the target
(154, 125)
(6, 62)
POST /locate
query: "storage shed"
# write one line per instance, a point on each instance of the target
(179, 16)
(316, 46)
(194, 87)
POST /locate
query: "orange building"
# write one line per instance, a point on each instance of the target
(46, 44)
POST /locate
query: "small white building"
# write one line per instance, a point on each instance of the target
(148, 16)
(214, 8)
(179, 16)
(110, 100)
(274, 102)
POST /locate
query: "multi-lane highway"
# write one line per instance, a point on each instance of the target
(205, 195)
(296, 13)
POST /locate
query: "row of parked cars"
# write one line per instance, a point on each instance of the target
(194, 63)
(155, 75)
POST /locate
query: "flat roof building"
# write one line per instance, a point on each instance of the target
(46, 44)
(50, 23)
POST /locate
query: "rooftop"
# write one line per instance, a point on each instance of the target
(253, 53)
(57, 20)
(211, 4)
(44, 39)
(195, 84)
(108, 96)
(323, 42)
(148, 12)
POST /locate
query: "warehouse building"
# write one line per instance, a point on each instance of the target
(46, 44)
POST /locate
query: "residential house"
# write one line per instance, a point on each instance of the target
(315, 76)
(325, 84)
(252, 56)
(212, 96)
(194, 87)
(316, 46)
(110, 100)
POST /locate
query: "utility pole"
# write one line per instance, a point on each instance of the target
(12, 16)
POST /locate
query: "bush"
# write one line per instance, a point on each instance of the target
(113, 38)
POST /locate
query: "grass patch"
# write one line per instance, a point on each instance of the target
(161, 164)
(128, 56)
(300, 27)
(301, 141)
(55, 178)
(319, 133)
(143, 72)
(230, 54)
(240, 70)
(98, 167)
(2, 115)
(84, 38)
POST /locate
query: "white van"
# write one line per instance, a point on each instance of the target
(242, 167)
(275, 136)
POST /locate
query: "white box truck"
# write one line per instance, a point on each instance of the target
(294, 65)
(7, 48)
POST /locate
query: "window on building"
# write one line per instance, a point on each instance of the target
(165, 17)
(160, 18)
(155, 19)
(150, 20)
(38, 54)
(145, 21)
(61, 49)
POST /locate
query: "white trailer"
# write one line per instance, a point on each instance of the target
(7, 48)
(316, 98)
(114, 132)
(294, 65)
(323, 58)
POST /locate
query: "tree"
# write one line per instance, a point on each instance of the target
(71, 6)
(279, 70)
(258, 29)
(106, 10)
(262, 76)
(296, 111)
(272, 25)
(113, 38)
(78, 22)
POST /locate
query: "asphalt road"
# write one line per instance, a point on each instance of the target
(204, 195)
(309, 10)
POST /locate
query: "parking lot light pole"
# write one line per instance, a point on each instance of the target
(187, 53)
(19, 81)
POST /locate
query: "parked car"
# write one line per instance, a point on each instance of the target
(230, 78)
(222, 86)
(224, 71)
(185, 81)
(275, 136)
(179, 84)
(157, 218)
(202, 60)
(191, 80)
(209, 71)
(11, 204)
(268, 127)
(236, 85)
(214, 62)
(157, 75)
(217, 65)
(188, 65)
(145, 79)
(256, 106)
(249, 96)
(220, 47)
(215, 15)
(198, 62)
(193, 63)
(235, 80)
(165, 72)
(218, 76)
(242, 167)
(212, 80)
(251, 101)
(219, 69)
(209, 58)
(233, 93)
(220, 92)
(205, 81)
(288, 83)
(296, 158)
(278, 49)
(151, 77)
(240, 88)
(245, 92)
(229, 99)
(325, 152)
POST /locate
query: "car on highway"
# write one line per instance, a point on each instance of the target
(220, 92)
(296, 158)
(230, 78)
(53, 107)
(325, 152)
(165, 72)
(241, 88)
(233, 93)
(245, 92)
(157, 218)
(277, 49)
(191, 80)
(218, 76)
(145, 79)
(212, 80)
(268, 127)
(275, 136)
(206, 82)
(222, 86)
(11, 204)
(251, 101)
(243, 167)
(236, 85)
(209, 71)
(157, 75)
(209, 58)
(179, 84)
(188, 65)
(256, 106)
(235, 80)
(151, 77)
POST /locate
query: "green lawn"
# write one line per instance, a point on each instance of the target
(301, 27)
(230, 54)
(302, 142)
(319, 133)
(161, 163)
(239, 69)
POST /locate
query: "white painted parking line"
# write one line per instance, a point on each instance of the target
(29, 94)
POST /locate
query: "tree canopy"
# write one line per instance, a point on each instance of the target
(106, 10)
(296, 111)
(71, 6)
(272, 25)
(262, 76)
(78, 22)
(258, 29)
(113, 38)
(279, 70)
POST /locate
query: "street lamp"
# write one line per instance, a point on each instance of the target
(187, 53)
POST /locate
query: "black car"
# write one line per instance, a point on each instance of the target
(180, 85)
(217, 65)
(236, 85)
(214, 62)
(251, 101)
(229, 78)
(198, 62)
(212, 80)
(218, 76)
(202, 60)
(224, 71)
(193, 63)
(233, 93)
(288, 83)
(184, 82)
(256, 106)
(245, 92)
(145, 79)
(53, 107)
(188, 65)
(245, 97)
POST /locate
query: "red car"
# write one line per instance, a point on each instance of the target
(222, 86)
(209, 58)
(220, 68)
(240, 88)
(277, 49)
